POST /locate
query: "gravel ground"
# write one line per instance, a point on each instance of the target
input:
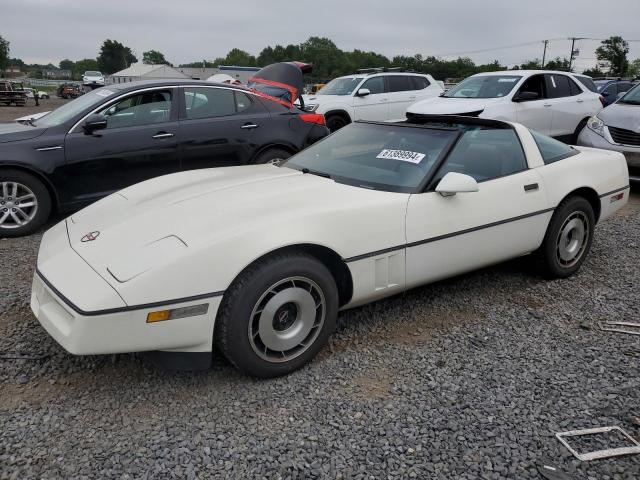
(9, 114)
(465, 379)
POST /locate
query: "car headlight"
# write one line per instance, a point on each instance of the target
(596, 125)
(311, 107)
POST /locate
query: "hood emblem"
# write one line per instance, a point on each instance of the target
(90, 237)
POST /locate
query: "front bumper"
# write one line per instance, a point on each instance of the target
(86, 316)
(589, 138)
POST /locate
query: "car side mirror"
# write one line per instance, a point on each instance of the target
(94, 122)
(454, 182)
(363, 92)
(525, 96)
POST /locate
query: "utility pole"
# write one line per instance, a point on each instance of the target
(544, 52)
(573, 52)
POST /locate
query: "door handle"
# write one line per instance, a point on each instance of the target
(531, 187)
(383, 100)
(249, 126)
(412, 97)
(547, 104)
(162, 135)
(579, 100)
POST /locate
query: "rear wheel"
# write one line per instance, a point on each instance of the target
(277, 315)
(25, 203)
(273, 155)
(568, 238)
(336, 122)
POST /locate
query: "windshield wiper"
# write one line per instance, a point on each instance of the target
(315, 172)
(630, 102)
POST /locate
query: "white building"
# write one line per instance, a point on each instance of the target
(141, 71)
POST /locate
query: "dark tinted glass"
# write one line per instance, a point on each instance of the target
(558, 86)
(375, 85)
(624, 86)
(143, 109)
(552, 150)
(208, 102)
(385, 157)
(419, 83)
(485, 154)
(399, 83)
(587, 82)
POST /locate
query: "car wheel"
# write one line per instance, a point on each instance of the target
(277, 315)
(568, 238)
(336, 122)
(25, 203)
(274, 156)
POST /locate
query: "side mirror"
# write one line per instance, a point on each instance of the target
(525, 96)
(454, 182)
(363, 92)
(94, 122)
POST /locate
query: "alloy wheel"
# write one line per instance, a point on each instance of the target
(18, 205)
(572, 239)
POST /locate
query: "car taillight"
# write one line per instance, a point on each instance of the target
(317, 118)
(602, 101)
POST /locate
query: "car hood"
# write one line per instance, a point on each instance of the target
(621, 115)
(13, 132)
(452, 106)
(227, 211)
(322, 98)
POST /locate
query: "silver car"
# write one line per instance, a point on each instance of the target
(617, 127)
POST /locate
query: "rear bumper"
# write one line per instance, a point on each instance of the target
(120, 330)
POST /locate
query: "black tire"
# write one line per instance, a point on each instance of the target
(576, 134)
(336, 122)
(272, 155)
(244, 299)
(10, 228)
(557, 245)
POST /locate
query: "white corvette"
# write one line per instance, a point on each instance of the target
(260, 259)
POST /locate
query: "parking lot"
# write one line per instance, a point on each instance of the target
(9, 114)
(467, 378)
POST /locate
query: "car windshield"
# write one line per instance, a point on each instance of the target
(92, 74)
(632, 97)
(69, 110)
(484, 86)
(340, 86)
(394, 158)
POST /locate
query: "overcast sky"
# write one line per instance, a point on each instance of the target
(45, 31)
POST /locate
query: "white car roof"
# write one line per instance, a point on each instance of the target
(521, 73)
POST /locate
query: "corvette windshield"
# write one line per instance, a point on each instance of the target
(394, 158)
(484, 86)
(69, 110)
(340, 86)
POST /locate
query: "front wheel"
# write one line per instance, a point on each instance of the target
(336, 122)
(277, 315)
(274, 156)
(25, 203)
(568, 238)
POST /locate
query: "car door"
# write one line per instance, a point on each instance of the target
(567, 105)
(375, 105)
(535, 114)
(401, 94)
(505, 218)
(139, 142)
(220, 127)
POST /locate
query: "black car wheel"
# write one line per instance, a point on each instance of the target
(336, 122)
(272, 155)
(568, 238)
(277, 315)
(25, 203)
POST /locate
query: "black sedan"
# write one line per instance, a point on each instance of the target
(122, 134)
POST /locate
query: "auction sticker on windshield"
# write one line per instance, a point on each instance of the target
(404, 155)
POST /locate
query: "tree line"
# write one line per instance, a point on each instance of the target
(330, 61)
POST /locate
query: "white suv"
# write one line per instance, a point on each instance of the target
(93, 79)
(552, 103)
(377, 95)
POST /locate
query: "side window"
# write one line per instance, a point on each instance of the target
(145, 108)
(624, 86)
(611, 89)
(243, 102)
(552, 150)
(558, 86)
(205, 102)
(399, 83)
(534, 84)
(485, 154)
(575, 89)
(419, 83)
(375, 85)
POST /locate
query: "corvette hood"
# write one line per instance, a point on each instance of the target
(451, 106)
(12, 132)
(156, 222)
